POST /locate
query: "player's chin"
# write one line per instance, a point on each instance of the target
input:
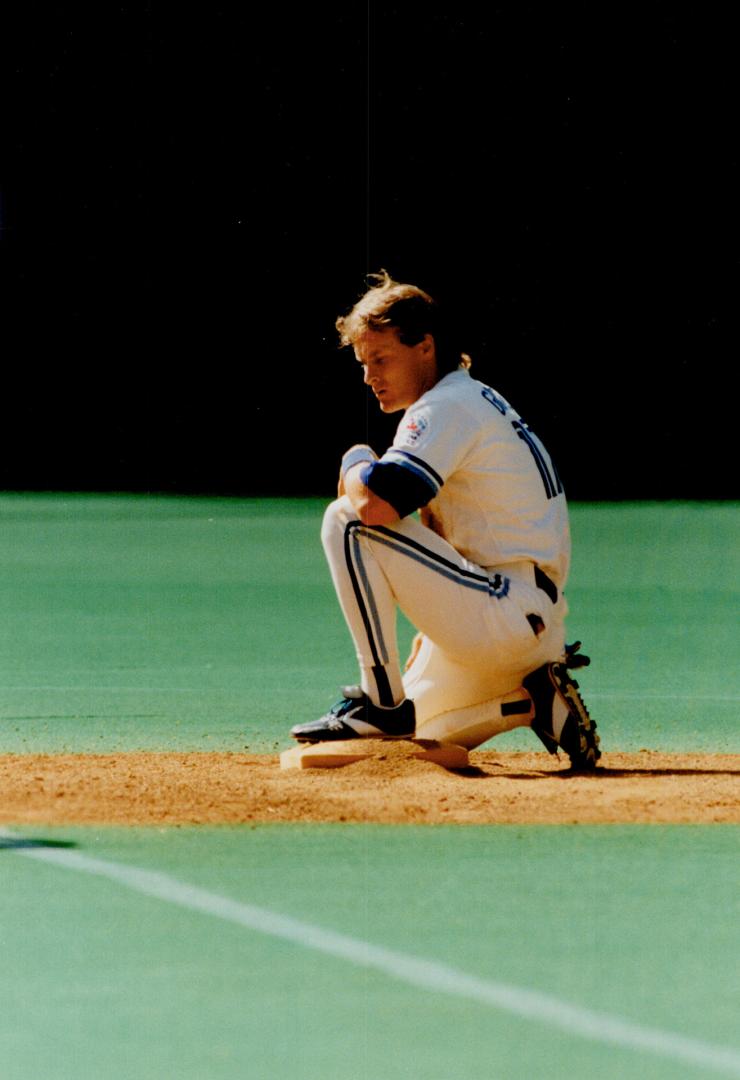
(388, 406)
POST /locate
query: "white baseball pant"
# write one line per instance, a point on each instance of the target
(484, 629)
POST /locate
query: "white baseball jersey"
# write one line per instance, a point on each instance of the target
(487, 481)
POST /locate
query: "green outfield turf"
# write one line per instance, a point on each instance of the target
(628, 931)
(154, 622)
(350, 952)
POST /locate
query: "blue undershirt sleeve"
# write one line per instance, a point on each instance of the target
(405, 488)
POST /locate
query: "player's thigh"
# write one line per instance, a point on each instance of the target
(449, 598)
(477, 618)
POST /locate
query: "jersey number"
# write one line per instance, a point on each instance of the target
(545, 467)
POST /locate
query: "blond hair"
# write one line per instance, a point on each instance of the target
(408, 309)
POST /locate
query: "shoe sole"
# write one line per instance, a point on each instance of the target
(346, 737)
(349, 732)
(567, 689)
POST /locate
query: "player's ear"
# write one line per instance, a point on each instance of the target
(428, 346)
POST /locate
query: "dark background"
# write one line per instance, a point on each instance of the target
(191, 195)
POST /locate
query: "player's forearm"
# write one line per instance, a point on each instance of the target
(370, 509)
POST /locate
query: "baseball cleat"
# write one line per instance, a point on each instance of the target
(356, 717)
(561, 719)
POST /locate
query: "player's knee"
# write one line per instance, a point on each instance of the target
(336, 517)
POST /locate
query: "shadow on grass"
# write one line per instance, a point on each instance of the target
(14, 843)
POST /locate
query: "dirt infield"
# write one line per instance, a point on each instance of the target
(497, 788)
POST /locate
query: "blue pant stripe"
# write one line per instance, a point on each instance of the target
(370, 597)
(467, 578)
(382, 682)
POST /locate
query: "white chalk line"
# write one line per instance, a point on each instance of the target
(427, 975)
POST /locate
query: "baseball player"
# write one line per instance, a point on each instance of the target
(480, 573)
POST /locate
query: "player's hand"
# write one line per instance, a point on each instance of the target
(415, 646)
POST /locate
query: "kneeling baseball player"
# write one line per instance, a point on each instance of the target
(481, 574)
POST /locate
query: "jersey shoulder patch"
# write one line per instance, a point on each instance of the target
(413, 429)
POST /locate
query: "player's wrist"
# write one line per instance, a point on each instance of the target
(357, 455)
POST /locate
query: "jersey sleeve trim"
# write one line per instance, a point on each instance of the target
(405, 487)
(414, 464)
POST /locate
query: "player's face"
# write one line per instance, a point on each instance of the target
(397, 374)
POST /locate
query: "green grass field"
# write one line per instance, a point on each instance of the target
(351, 952)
